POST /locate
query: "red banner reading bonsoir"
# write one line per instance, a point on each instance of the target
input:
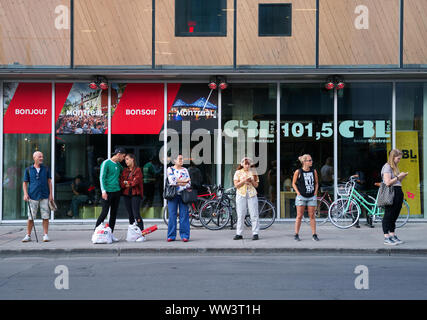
(140, 109)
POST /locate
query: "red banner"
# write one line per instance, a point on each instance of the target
(30, 109)
(141, 108)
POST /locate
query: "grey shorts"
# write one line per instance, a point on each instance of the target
(44, 208)
(306, 202)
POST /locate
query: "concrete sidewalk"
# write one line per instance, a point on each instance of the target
(67, 240)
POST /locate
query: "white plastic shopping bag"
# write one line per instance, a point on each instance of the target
(134, 233)
(102, 234)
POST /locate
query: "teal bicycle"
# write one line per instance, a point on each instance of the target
(345, 211)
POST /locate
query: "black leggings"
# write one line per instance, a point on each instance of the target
(392, 212)
(133, 203)
(112, 201)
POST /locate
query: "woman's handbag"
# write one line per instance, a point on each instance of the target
(189, 195)
(169, 192)
(385, 195)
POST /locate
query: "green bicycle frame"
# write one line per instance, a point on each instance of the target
(361, 201)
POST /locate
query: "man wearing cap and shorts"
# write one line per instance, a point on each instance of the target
(37, 188)
(109, 179)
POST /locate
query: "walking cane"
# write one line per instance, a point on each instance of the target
(34, 222)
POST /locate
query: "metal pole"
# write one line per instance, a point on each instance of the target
(165, 135)
(335, 143)
(1, 150)
(219, 141)
(393, 117)
(278, 199)
(52, 148)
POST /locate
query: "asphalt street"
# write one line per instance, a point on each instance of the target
(213, 277)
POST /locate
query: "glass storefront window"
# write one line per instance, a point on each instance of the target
(411, 104)
(365, 133)
(26, 128)
(80, 148)
(249, 130)
(306, 127)
(192, 128)
(18, 152)
(137, 122)
(146, 149)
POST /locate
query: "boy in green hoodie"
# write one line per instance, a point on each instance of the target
(110, 172)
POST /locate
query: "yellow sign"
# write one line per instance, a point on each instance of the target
(407, 142)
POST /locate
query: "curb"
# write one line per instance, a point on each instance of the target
(53, 253)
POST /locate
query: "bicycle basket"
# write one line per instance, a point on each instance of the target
(343, 190)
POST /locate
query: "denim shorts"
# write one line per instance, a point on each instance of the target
(306, 202)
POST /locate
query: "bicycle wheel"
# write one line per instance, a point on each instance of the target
(343, 214)
(266, 212)
(165, 214)
(214, 215)
(403, 216)
(321, 214)
(194, 213)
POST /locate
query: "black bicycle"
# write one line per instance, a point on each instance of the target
(217, 213)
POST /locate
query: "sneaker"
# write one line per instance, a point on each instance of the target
(185, 240)
(140, 239)
(315, 238)
(389, 241)
(27, 238)
(397, 240)
(255, 237)
(237, 237)
(170, 239)
(46, 238)
(114, 238)
(296, 237)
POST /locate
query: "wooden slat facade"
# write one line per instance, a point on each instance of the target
(113, 33)
(28, 34)
(341, 43)
(415, 32)
(299, 49)
(119, 33)
(190, 51)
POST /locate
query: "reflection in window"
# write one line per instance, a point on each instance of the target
(306, 127)
(364, 121)
(146, 148)
(275, 19)
(192, 124)
(18, 152)
(411, 104)
(200, 18)
(249, 118)
(80, 148)
(78, 161)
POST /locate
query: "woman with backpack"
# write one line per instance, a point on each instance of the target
(306, 184)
